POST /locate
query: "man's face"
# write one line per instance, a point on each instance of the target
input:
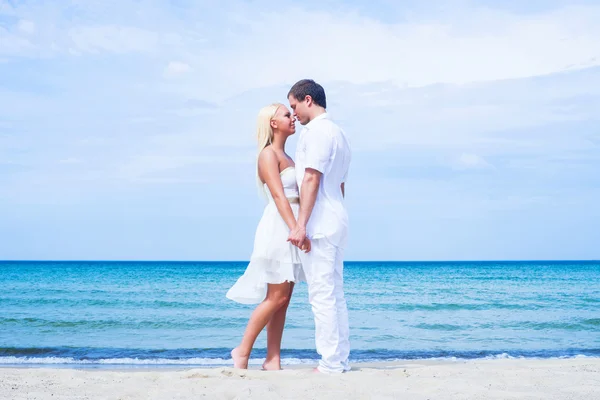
(300, 109)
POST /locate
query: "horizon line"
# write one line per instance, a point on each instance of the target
(352, 261)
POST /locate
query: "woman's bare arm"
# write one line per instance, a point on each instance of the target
(268, 169)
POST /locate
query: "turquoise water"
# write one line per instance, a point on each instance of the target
(161, 313)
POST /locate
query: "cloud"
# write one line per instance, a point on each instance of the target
(168, 167)
(6, 8)
(473, 46)
(431, 132)
(465, 43)
(13, 44)
(200, 104)
(462, 118)
(26, 27)
(487, 118)
(112, 38)
(456, 91)
(471, 161)
(176, 68)
(70, 160)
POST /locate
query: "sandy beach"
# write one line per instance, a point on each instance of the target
(477, 379)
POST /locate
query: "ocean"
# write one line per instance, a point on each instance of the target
(136, 314)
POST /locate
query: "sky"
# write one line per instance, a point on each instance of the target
(127, 127)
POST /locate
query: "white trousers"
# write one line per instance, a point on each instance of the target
(324, 270)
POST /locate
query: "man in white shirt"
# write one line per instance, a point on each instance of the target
(322, 161)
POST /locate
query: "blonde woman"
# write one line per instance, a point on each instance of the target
(275, 263)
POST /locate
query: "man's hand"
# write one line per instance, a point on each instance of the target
(297, 236)
(307, 245)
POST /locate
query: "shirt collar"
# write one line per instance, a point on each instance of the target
(325, 115)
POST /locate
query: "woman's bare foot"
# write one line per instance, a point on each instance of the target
(272, 364)
(239, 361)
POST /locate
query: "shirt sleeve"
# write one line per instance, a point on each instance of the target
(319, 149)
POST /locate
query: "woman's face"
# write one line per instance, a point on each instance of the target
(284, 121)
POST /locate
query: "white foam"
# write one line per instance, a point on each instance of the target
(225, 362)
(502, 356)
(136, 361)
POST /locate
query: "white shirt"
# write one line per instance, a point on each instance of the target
(323, 146)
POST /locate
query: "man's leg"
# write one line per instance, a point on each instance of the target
(319, 268)
(342, 309)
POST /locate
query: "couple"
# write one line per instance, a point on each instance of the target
(303, 231)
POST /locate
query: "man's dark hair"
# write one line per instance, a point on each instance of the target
(308, 87)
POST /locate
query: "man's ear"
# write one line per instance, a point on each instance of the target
(309, 100)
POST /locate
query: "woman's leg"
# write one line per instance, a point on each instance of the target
(274, 335)
(277, 297)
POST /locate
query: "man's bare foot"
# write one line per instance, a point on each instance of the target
(273, 364)
(239, 361)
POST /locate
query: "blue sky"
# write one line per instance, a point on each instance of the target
(127, 127)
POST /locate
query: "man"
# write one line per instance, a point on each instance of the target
(322, 161)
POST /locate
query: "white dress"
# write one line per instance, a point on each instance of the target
(274, 259)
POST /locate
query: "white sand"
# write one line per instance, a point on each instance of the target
(481, 379)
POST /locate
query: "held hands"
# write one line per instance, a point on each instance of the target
(299, 239)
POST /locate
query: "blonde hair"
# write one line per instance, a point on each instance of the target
(264, 133)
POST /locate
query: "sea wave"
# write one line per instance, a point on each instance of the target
(221, 357)
(137, 361)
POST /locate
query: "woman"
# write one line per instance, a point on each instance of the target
(275, 264)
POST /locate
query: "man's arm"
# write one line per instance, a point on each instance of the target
(308, 196)
(317, 155)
